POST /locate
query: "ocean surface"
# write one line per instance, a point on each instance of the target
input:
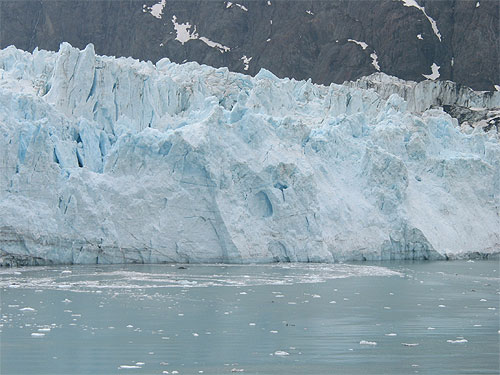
(384, 318)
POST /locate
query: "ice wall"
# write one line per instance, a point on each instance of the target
(108, 160)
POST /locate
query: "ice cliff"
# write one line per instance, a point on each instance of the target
(107, 160)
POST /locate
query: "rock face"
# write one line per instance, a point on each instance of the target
(108, 160)
(327, 41)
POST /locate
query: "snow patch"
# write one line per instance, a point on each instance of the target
(361, 44)
(246, 61)
(435, 72)
(184, 35)
(413, 3)
(156, 10)
(374, 57)
(242, 7)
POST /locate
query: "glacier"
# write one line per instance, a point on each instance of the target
(113, 160)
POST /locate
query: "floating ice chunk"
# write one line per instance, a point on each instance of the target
(364, 342)
(458, 341)
(27, 309)
(281, 353)
(391, 334)
(128, 367)
(411, 344)
(38, 334)
(273, 331)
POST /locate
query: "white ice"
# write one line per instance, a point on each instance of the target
(361, 44)
(413, 3)
(110, 160)
(435, 72)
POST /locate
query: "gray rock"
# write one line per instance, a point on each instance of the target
(306, 39)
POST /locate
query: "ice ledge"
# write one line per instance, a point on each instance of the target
(110, 160)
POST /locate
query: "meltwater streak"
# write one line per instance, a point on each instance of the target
(130, 277)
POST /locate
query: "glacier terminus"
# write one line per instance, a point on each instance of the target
(113, 160)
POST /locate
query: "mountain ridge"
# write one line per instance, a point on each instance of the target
(327, 41)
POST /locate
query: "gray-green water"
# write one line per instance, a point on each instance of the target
(392, 318)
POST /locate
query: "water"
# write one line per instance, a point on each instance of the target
(426, 318)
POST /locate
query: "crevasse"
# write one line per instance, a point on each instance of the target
(107, 160)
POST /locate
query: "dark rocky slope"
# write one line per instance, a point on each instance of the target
(306, 39)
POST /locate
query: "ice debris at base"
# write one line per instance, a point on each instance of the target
(107, 160)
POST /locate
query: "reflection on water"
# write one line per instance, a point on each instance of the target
(391, 318)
